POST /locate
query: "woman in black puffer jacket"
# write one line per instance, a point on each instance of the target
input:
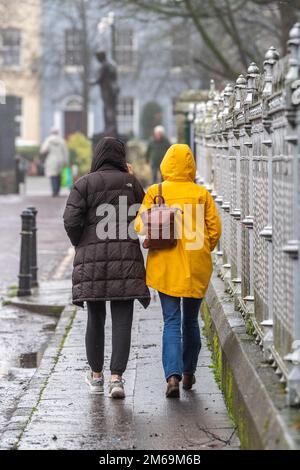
(108, 264)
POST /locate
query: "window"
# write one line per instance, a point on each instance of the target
(73, 51)
(10, 47)
(18, 116)
(125, 47)
(180, 50)
(126, 115)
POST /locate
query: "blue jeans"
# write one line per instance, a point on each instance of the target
(55, 184)
(181, 336)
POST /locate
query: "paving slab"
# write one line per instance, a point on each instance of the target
(50, 298)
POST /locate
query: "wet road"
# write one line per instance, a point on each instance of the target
(52, 242)
(68, 417)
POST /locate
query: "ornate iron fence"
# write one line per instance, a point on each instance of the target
(247, 143)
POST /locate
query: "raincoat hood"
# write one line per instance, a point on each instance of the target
(109, 152)
(178, 164)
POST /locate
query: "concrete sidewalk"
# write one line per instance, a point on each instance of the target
(57, 412)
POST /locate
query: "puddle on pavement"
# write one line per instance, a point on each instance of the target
(24, 337)
(29, 360)
(49, 327)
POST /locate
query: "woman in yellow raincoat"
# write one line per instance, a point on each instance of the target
(182, 272)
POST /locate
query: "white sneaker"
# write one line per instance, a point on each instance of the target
(116, 389)
(96, 385)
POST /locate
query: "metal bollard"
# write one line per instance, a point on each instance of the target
(33, 261)
(26, 242)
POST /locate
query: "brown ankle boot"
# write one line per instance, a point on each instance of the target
(173, 387)
(188, 380)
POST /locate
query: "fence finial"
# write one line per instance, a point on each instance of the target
(221, 105)
(293, 46)
(240, 84)
(208, 112)
(271, 58)
(215, 107)
(212, 89)
(228, 91)
(253, 73)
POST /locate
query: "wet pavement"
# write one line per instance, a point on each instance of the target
(24, 335)
(49, 407)
(51, 296)
(66, 416)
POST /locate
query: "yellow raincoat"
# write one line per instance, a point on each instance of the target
(185, 270)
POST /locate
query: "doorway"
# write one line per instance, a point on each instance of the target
(75, 120)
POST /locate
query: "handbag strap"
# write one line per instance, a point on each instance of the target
(159, 196)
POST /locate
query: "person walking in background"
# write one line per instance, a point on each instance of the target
(157, 147)
(57, 156)
(106, 268)
(181, 274)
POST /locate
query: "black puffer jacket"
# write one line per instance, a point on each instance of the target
(110, 268)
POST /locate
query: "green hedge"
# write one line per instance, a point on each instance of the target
(28, 152)
(80, 152)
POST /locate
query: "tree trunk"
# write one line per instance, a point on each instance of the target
(288, 18)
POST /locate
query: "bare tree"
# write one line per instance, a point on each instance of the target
(233, 32)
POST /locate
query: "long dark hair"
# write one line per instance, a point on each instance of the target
(109, 151)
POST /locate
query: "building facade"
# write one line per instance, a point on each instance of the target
(153, 67)
(19, 65)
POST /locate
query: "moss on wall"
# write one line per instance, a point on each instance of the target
(225, 380)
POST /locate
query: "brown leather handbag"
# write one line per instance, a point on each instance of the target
(159, 222)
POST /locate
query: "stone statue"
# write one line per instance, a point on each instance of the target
(108, 82)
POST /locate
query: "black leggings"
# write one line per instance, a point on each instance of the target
(121, 316)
